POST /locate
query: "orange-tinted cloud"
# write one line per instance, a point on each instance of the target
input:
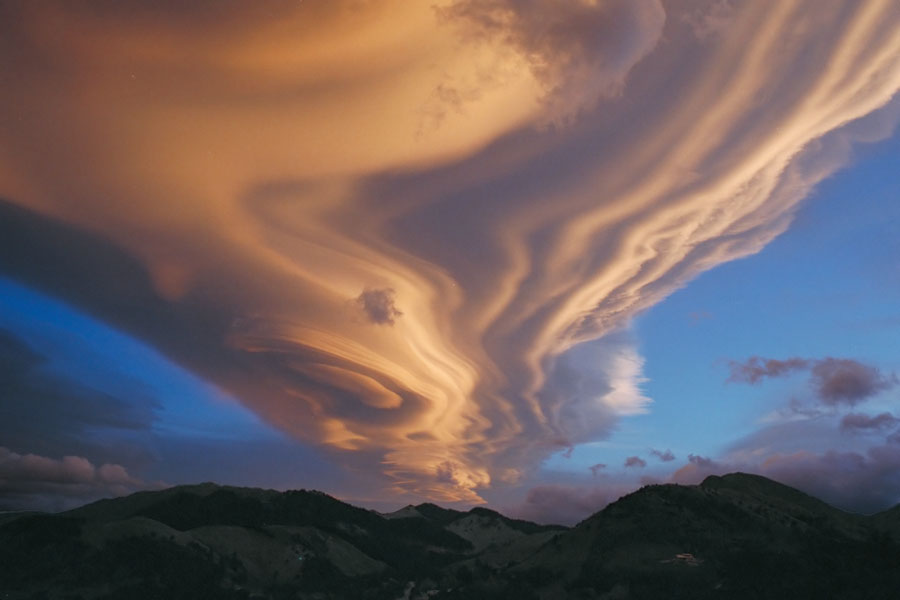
(523, 177)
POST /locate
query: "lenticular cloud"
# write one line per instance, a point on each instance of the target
(399, 230)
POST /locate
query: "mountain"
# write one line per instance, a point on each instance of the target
(736, 536)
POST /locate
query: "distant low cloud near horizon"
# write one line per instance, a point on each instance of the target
(412, 236)
(37, 482)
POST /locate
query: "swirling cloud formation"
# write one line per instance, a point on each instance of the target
(393, 228)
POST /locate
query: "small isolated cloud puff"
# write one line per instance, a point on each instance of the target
(835, 380)
(595, 469)
(845, 381)
(635, 462)
(666, 456)
(378, 304)
(857, 422)
(701, 461)
(29, 481)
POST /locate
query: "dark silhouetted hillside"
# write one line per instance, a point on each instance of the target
(736, 536)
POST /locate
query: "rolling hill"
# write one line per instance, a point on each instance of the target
(735, 536)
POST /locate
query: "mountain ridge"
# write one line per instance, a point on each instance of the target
(734, 536)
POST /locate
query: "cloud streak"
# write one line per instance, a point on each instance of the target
(755, 369)
(521, 197)
(857, 422)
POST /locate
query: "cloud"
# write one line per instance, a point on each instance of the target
(712, 20)
(857, 422)
(30, 481)
(595, 469)
(635, 462)
(223, 194)
(446, 472)
(845, 381)
(562, 504)
(666, 456)
(864, 481)
(701, 461)
(835, 380)
(755, 369)
(379, 305)
(700, 467)
(579, 51)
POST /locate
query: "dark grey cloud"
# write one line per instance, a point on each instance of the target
(102, 279)
(835, 381)
(666, 456)
(378, 304)
(701, 461)
(864, 482)
(595, 469)
(635, 462)
(855, 422)
(846, 381)
(755, 368)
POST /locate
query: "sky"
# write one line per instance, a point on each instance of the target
(532, 254)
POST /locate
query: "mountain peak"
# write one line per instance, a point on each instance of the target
(740, 480)
(764, 488)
